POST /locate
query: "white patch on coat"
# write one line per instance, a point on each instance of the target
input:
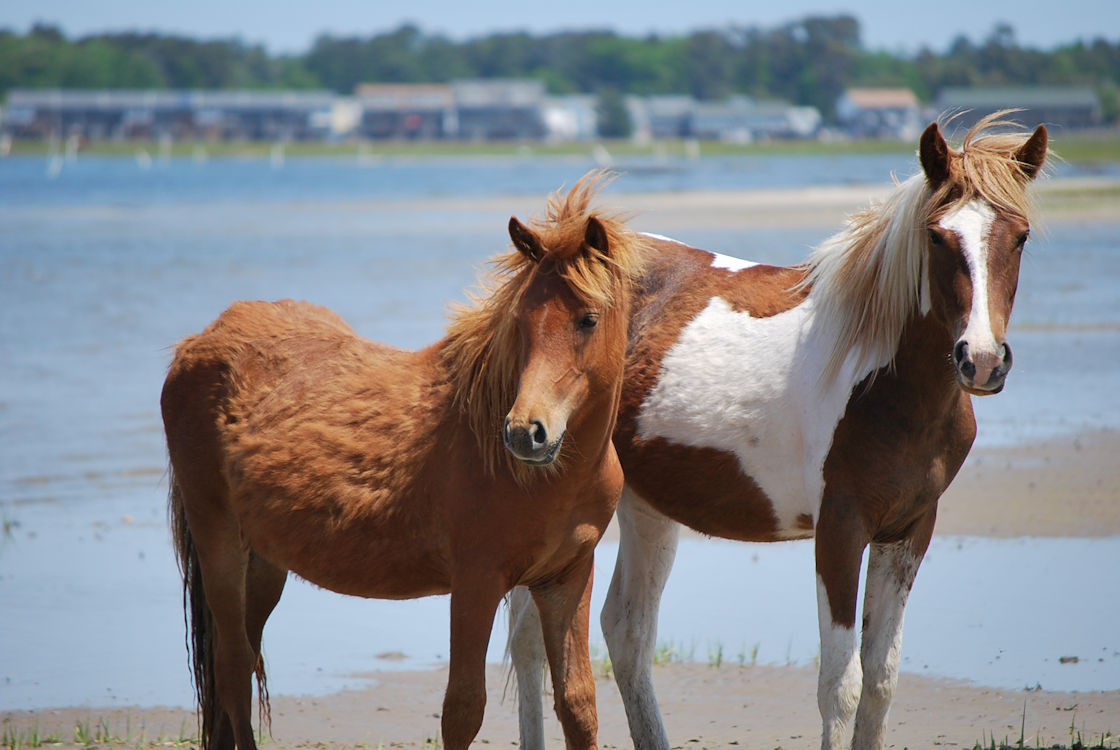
(719, 260)
(752, 387)
(972, 224)
(662, 238)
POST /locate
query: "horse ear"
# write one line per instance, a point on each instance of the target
(525, 240)
(934, 154)
(596, 235)
(1032, 154)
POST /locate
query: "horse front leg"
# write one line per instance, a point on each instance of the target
(564, 607)
(840, 542)
(646, 549)
(891, 569)
(526, 651)
(472, 618)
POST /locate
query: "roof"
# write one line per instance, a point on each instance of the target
(885, 98)
(396, 96)
(107, 99)
(1025, 96)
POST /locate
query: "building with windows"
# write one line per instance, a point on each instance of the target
(123, 114)
(880, 113)
(1073, 107)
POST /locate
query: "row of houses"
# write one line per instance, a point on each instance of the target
(897, 113)
(500, 109)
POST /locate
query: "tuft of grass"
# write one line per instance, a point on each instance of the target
(601, 662)
(753, 655)
(715, 655)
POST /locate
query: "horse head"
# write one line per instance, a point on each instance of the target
(571, 322)
(978, 225)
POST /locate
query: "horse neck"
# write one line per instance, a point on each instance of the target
(924, 359)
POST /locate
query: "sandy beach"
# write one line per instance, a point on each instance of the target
(1067, 487)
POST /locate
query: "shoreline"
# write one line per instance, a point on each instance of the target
(704, 706)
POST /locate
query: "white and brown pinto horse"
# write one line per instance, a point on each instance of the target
(830, 399)
(297, 445)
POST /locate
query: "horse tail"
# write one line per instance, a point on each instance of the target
(197, 616)
(200, 627)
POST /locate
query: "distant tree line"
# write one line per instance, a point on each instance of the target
(809, 62)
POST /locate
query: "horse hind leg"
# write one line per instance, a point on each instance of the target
(891, 569)
(527, 653)
(223, 564)
(264, 584)
(647, 547)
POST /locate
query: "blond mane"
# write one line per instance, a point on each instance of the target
(482, 350)
(870, 276)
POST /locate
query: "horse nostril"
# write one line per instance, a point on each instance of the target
(540, 434)
(960, 358)
(1006, 356)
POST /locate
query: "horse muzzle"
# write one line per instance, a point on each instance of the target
(982, 373)
(530, 442)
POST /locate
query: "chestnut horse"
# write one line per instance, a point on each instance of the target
(377, 472)
(830, 399)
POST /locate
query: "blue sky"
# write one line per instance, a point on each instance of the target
(284, 26)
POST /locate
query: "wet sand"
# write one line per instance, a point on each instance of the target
(1064, 487)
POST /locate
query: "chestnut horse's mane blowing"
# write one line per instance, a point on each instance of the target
(482, 349)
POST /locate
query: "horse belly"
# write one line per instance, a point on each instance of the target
(358, 557)
(738, 416)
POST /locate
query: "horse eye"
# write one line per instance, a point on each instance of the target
(589, 320)
(935, 238)
(1022, 240)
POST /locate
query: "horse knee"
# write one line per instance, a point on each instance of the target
(463, 710)
(577, 714)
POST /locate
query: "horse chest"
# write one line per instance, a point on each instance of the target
(749, 387)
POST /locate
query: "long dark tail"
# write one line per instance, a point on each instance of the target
(200, 626)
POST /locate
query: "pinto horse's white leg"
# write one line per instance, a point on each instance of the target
(838, 684)
(646, 549)
(890, 574)
(839, 554)
(526, 651)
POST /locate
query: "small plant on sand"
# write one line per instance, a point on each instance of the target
(601, 662)
(18, 739)
(715, 655)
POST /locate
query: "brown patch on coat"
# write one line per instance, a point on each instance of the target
(703, 488)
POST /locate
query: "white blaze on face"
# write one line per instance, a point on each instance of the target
(972, 223)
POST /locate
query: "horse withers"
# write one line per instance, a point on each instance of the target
(481, 462)
(829, 399)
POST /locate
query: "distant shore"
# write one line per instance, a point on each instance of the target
(1082, 146)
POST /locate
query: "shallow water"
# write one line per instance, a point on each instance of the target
(93, 615)
(103, 268)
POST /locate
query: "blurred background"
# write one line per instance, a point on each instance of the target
(159, 161)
